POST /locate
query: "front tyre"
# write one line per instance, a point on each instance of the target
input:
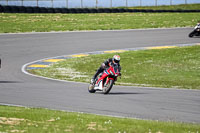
(91, 88)
(108, 87)
(191, 34)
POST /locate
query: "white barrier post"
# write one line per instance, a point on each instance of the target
(81, 3)
(96, 3)
(66, 3)
(37, 3)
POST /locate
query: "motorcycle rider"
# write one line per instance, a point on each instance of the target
(104, 65)
(198, 24)
(196, 31)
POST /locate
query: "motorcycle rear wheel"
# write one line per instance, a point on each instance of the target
(108, 87)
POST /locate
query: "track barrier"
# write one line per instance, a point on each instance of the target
(25, 9)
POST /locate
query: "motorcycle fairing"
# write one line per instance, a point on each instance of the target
(99, 85)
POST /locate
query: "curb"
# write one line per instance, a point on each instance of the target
(44, 63)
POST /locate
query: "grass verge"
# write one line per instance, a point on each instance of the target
(168, 68)
(32, 120)
(15, 23)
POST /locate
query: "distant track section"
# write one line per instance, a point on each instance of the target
(25, 9)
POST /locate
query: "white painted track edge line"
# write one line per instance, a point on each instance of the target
(83, 31)
(73, 111)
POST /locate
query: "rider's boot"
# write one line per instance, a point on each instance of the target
(92, 81)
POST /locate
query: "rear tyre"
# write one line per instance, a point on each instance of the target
(91, 88)
(108, 87)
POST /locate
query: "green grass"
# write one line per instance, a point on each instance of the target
(37, 120)
(172, 7)
(169, 68)
(14, 23)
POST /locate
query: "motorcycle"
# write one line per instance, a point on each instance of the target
(105, 80)
(195, 32)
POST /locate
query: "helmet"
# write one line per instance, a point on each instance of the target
(116, 58)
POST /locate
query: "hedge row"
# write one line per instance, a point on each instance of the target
(23, 9)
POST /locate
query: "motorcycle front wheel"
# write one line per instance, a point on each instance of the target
(108, 86)
(191, 34)
(91, 88)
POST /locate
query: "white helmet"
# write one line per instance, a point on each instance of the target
(116, 58)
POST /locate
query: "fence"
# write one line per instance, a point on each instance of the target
(94, 3)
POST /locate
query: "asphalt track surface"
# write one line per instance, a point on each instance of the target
(17, 88)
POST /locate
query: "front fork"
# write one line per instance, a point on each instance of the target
(108, 78)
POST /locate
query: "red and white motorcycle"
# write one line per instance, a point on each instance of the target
(105, 80)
